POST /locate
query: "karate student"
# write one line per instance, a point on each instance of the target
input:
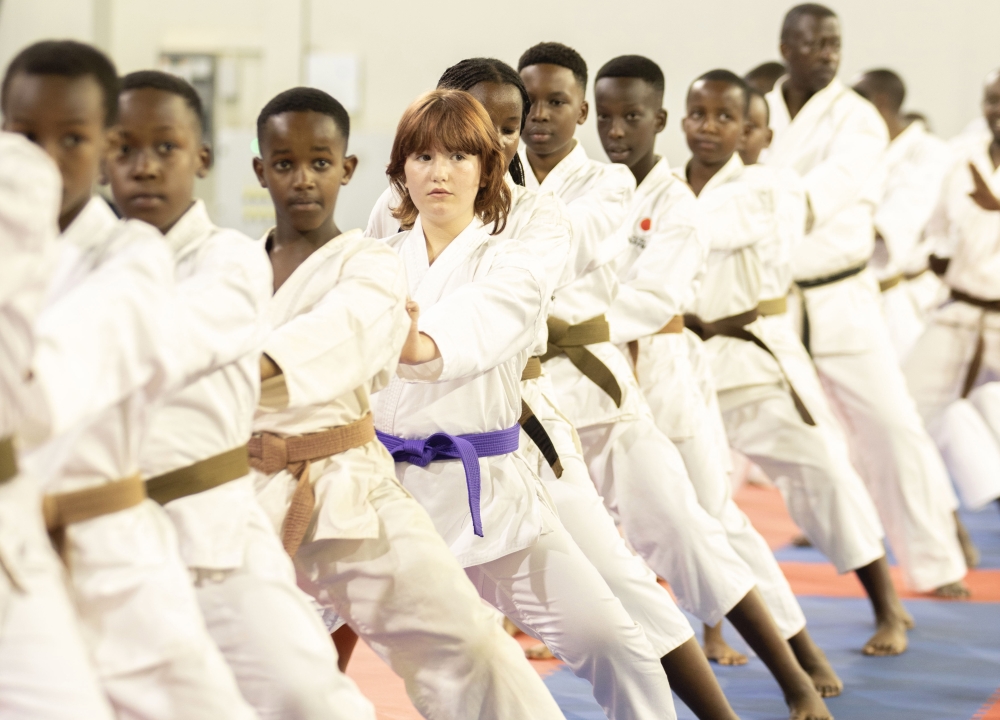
(638, 471)
(194, 455)
(362, 545)
(45, 670)
(955, 365)
(456, 397)
(833, 139)
(108, 347)
(912, 170)
(548, 441)
(659, 276)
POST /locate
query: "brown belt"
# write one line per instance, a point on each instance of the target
(199, 477)
(977, 356)
(735, 327)
(534, 429)
(890, 282)
(64, 509)
(8, 459)
(270, 454)
(570, 340)
(532, 370)
(674, 326)
(820, 282)
(773, 306)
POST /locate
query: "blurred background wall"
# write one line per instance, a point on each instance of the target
(378, 55)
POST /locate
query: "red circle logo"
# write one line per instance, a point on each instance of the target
(646, 224)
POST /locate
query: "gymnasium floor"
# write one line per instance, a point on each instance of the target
(951, 671)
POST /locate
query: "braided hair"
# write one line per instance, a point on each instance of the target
(468, 73)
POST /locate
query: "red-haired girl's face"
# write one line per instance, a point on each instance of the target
(443, 185)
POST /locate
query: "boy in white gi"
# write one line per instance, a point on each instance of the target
(194, 456)
(45, 670)
(540, 220)
(361, 544)
(954, 367)
(834, 138)
(639, 473)
(659, 274)
(912, 171)
(108, 348)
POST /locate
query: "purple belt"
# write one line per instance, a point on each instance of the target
(467, 448)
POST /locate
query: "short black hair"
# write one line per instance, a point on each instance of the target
(158, 80)
(753, 92)
(798, 12)
(305, 99)
(468, 73)
(765, 75)
(633, 66)
(553, 53)
(889, 84)
(67, 58)
(730, 78)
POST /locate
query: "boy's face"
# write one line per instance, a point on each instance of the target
(303, 165)
(629, 116)
(157, 156)
(558, 105)
(65, 117)
(813, 53)
(759, 134)
(714, 125)
(991, 105)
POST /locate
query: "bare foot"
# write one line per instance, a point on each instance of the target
(969, 549)
(814, 661)
(802, 541)
(510, 628)
(908, 620)
(953, 591)
(889, 638)
(538, 652)
(809, 706)
(719, 651)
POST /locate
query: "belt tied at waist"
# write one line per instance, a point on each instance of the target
(535, 431)
(773, 306)
(734, 326)
(977, 356)
(674, 326)
(467, 448)
(61, 510)
(200, 476)
(532, 369)
(270, 453)
(890, 282)
(569, 340)
(820, 282)
(8, 459)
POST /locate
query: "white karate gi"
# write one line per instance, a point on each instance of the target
(913, 169)
(372, 554)
(834, 143)
(966, 429)
(45, 670)
(751, 220)
(108, 348)
(659, 274)
(481, 302)
(540, 220)
(638, 471)
(266, 627)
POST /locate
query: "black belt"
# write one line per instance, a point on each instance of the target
(820, 282)
(533, 428)
(977, 355)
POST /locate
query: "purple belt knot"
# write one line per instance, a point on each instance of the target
(467, 448)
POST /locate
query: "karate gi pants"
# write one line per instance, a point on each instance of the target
(45, 668)
(272, 637)
(967, 430)
(645, 487)
(889, 445)
(584, 516)
(141, 619)
(676, 379)
(406, 596)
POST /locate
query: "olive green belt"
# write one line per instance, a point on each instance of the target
(890, 282)
(61, 510)
(773, 306)
(199, 477)
(571, 341)
(8, 459)
(532, 369)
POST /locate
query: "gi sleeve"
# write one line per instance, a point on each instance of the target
(596, 217)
